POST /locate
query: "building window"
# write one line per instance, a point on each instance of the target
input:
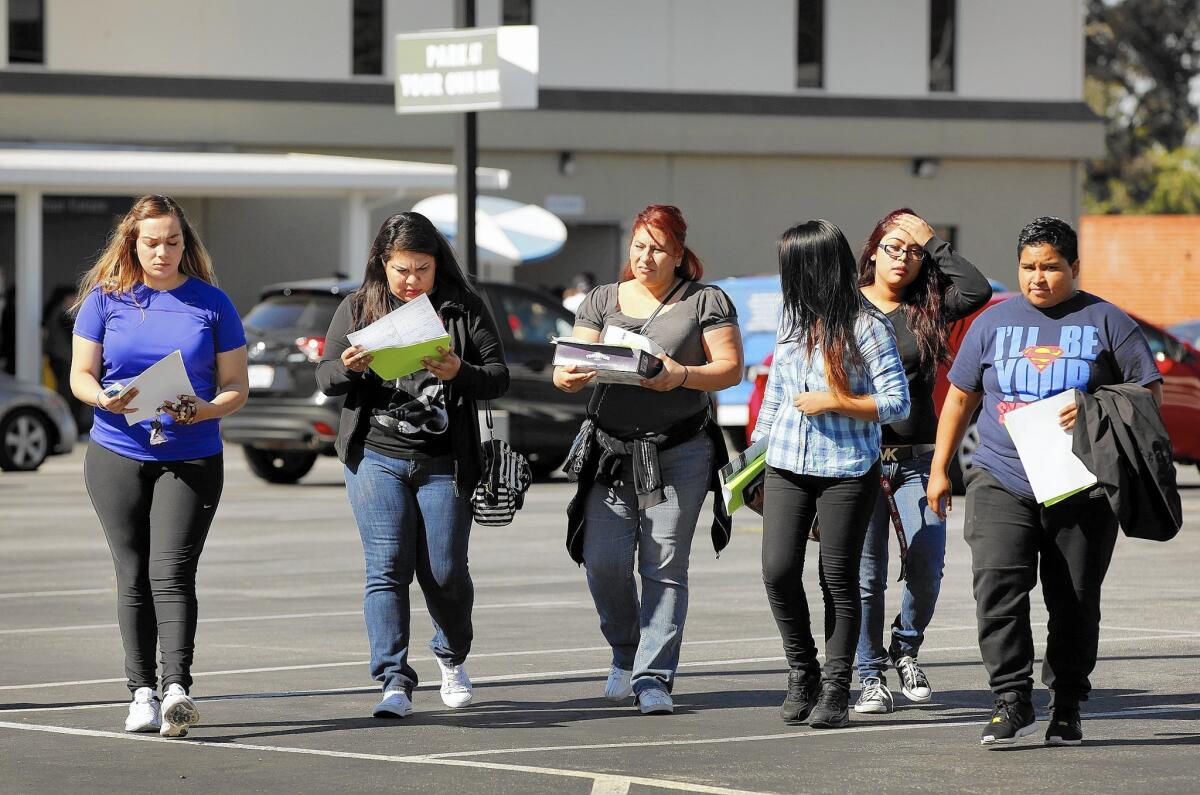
(368, 37)
(947, 232)
(517, 12)
(810, 43)
(943, 14)
(26, 31)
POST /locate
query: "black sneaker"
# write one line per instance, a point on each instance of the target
(1065, 727)
(803, 689)
(1012, 717)
(832, 710)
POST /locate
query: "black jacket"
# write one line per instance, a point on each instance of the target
(1119, 435)
(483, 376)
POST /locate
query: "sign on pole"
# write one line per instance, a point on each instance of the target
(449, 71)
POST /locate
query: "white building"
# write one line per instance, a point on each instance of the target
(750, 115)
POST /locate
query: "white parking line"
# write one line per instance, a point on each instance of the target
(42, 594)
(280, 617)
(607, 782)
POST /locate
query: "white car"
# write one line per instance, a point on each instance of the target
(35, 422)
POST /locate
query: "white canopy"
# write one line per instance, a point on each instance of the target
(30, 173)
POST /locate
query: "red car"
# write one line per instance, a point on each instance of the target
(1178, 362)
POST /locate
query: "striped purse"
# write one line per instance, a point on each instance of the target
(505, 479)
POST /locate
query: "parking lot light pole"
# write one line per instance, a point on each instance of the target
(466, 158)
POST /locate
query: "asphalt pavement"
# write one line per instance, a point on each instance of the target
(285, 695)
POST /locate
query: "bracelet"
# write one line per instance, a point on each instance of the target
(99, 392)
(686, 373)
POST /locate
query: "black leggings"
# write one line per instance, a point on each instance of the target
(155, 515)
(845, 506)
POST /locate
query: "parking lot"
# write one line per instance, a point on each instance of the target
(285, 696)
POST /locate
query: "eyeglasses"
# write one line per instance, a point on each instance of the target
(900, 253)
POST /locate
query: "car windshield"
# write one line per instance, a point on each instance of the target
(310, 313)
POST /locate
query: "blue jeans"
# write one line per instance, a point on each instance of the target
(926, 537)
(411, 522)
(646, 636)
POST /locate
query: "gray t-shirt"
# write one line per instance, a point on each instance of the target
(628, 411)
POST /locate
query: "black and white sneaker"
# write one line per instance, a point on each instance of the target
(1065, 726)
(874, 698)
(1012, 717)
(913, 682)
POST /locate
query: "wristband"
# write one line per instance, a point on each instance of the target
(686, 373)
(99, 393)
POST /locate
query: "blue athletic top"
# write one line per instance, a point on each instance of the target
(137, 329)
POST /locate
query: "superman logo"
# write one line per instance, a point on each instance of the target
(1042, 356)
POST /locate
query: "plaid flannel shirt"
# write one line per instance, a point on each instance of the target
(831, 444)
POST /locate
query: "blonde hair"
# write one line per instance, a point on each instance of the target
(118, 270)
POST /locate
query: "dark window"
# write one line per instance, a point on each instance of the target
(943, 19)
(517, 12)
(26, 31)
(310, 313)
(368, 37)
(810, 43)
(532, 320)
(947, 232)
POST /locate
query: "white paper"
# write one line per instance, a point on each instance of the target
(164, 380)
(414, 322)
(614, 335)
(1045, 448)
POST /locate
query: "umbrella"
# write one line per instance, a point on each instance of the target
(506, 232)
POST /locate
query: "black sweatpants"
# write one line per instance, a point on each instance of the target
(155, 515)
(845, 506)
(1074, 540)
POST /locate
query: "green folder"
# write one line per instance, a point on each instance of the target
(397, 362)
(741, 472)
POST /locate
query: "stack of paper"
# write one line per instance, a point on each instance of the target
(1053, 471)
(399, 340)
(163, 381)
(744, 471)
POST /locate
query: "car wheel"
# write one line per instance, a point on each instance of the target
(24, 441)
(962, 462)
(279, 466)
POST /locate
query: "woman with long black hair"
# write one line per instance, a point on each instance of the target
(836, 376)
(411, 450)
(921, 285)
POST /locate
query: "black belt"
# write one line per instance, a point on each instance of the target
(891, 453)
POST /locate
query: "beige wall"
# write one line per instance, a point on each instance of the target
(1020, 49)
(213, 38)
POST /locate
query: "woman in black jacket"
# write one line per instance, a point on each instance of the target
(411, 450)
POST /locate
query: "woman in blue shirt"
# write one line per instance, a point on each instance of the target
(836, 375)
(156, 483)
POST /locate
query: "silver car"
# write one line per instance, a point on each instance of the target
(34, 422)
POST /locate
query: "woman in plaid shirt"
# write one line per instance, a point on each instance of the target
(836, 376)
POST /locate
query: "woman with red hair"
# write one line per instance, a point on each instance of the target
(648, 454)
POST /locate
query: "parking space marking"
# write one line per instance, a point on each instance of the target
(284, 617)
(42, 594)
(608, 782)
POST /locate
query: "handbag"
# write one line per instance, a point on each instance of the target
(505, 479)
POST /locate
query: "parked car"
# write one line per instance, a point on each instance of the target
(1189, 332)
(287, 422)
(1178, 362)
(35, 422)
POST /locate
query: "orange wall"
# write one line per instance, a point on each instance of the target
(1146, 264)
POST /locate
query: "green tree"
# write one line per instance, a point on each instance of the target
(1142, 56)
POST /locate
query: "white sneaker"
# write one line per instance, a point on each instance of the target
(144, 715)
(457, 691)
(874, 697)
(655, 702)
(619, 685)
(178, 712)
(395, 704)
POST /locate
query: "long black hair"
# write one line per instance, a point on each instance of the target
(821, 302)
(407, 231)
(922, 298)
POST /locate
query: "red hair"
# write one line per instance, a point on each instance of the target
(666, 221)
